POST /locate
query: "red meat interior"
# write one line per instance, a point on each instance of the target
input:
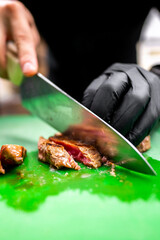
(74, 151)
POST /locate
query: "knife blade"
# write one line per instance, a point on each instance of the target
(50, 103)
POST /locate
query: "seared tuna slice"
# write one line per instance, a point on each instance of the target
(86, 154)
(55, 155)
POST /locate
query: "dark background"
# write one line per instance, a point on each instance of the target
(86, 38)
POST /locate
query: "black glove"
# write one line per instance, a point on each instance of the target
(128, 98)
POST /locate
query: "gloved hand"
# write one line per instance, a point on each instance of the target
(128, 98)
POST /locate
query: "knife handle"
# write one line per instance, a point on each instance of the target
(14, 72)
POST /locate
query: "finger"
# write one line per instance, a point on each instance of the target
(2, 47)
(109, 95)
(143, 126)
(91, 90)
(26, 51)
(133, 104)
(35, 36)
(23, 38)
(31, 21)
(119, 67)
(151, 115)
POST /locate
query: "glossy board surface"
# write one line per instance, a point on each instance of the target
(39, 203)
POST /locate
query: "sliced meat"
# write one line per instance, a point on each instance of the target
(55, 154)
(144, 145)
(86, 154)
(102, 139)
(12, 155)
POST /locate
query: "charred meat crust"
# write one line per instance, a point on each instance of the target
(84, 153)
(55, 155)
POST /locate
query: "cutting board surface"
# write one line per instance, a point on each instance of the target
(39, 203)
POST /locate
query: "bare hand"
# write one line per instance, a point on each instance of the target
(17, 24)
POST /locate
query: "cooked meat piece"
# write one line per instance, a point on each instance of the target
(86, 154)
(102, 139)
(1, 169)
(12, 155)
(55, 154)
(144, 145)
(97, 137)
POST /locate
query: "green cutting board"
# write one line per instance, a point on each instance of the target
(39, 203)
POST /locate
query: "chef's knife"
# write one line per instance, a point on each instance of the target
(50, 103)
